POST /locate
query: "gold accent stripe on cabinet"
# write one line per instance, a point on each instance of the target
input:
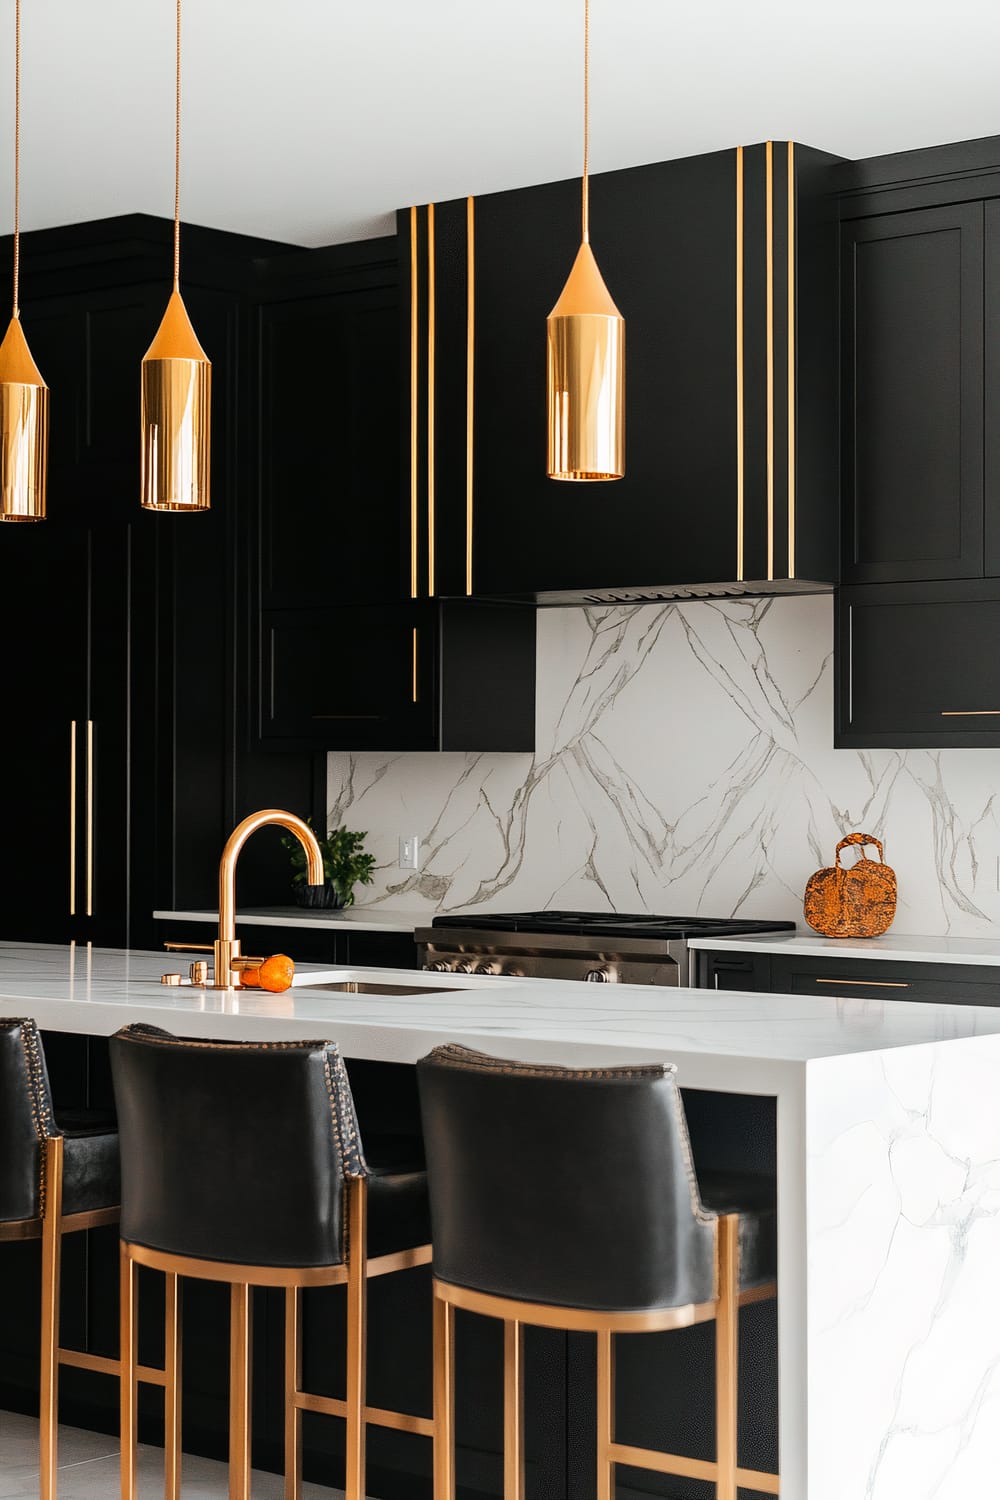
(72, 818)
(470, 374)
(769, 233)
(414, 413)
(416, 682)
(431, 359)
(791, 359)
(739, 365)
(90, 817)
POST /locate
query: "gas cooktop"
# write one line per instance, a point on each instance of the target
(608, 924)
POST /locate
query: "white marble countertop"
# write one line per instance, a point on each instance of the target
(911, 948)
(358, 918)
(725, 1040)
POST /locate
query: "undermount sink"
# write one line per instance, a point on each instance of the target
(371, 987)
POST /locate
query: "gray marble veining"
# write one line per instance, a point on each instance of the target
(684, 764)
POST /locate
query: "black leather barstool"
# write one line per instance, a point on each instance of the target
(567, 1198)
(242, 1162)
(58, 1175)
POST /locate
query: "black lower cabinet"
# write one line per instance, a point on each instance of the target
(322, 945)
(850, 978)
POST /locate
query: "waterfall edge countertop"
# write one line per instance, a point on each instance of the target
(888, 1161)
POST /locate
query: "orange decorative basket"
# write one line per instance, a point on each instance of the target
(858, 902)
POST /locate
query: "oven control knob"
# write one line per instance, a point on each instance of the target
(487, 969)
(440, 967)
(599, 976)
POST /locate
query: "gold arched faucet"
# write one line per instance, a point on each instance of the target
(227, 946)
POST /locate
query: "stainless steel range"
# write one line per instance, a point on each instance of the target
(604, 947)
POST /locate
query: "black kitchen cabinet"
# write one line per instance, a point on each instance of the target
(913, 286)
(354, 651)
(850, 978)
(128, 655)
(315, 944)
(722, 325)
(422, 675)
(917, 665)
(920, 296)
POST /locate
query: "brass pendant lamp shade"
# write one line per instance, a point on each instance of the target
(176, 408)
(586, 353)
(24, 396)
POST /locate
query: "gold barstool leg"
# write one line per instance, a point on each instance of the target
(293, 1384)
(357, 1336)
(239, 1390)
(172, 1389)
(727, 1355)
(126, 1376)
(605, 1415)
(513, 1410)
(444, 1400)
(48, 1395)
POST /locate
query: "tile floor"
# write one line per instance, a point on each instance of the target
(88, 1469)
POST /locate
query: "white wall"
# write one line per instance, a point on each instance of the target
(684, 766)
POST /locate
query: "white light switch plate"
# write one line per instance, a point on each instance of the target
(409, 852)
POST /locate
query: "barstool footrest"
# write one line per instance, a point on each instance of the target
(101, 1364)
(375, 1416)
(690, 1468)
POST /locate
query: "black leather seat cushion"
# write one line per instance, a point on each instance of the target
(398, 1209)
(91, 1170)
(753, 1196)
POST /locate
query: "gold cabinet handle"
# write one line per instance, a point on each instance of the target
(416, 667)
(870, 984)
(970, 713)
(72, 818)
(90, 817)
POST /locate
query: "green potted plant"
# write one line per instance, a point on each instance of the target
(345, 865)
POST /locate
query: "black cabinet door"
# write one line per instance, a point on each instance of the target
(918, 665)
(912, 288)
(992, 405)
(331, 523)
(884, 979)
(732, 971)
(354, 677)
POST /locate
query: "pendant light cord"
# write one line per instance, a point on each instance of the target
(586, 122)
(177, 158)
(17, 156)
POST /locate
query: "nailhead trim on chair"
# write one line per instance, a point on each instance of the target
(342, 1116)
(454, 1055)
(38, 1093)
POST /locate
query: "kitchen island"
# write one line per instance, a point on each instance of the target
(888, 1161)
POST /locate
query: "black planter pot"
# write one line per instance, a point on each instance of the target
(325, 897)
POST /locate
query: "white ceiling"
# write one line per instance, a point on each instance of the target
(312, 120)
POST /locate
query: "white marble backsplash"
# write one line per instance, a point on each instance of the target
(684, 765)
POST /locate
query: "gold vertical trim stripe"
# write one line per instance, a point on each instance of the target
(431, 360)
(470, 375)
(769, 237)
(740, 495)
(791, 359)
(90, 817)
(416, 680)
(72, 818)
(414, 413)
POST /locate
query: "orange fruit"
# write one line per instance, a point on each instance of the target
(275, 973)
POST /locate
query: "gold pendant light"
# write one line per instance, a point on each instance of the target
(586, 352)
(24, 396)
(176, 386)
